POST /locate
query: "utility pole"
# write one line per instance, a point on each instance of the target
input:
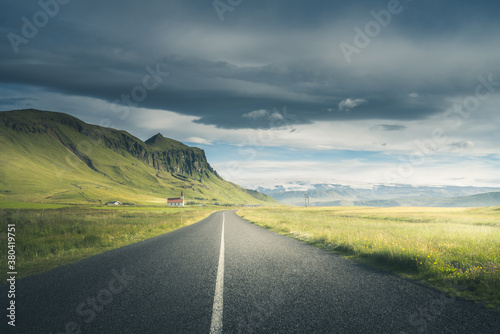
(306, 199)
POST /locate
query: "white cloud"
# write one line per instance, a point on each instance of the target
(326, 135)
(414, 95)
(262, 113)
(198, 140)
(437, 171)
(349, 104)
(459, 158)
(256, 114)
(276, 116)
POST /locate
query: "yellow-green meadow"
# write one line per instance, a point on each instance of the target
(48, 236)
(445, 247)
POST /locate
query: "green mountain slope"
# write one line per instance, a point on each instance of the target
(53, 157)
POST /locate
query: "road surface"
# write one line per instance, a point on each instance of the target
(225, 275)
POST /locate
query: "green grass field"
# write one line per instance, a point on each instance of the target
(48, 235)
(29, 205)
(455, 250)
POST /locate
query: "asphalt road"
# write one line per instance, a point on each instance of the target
(261, 282)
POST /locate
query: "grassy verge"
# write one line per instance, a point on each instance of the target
(29, 205)
(456, 250)
(49, 237)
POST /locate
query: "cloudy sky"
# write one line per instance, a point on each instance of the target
(277, 90)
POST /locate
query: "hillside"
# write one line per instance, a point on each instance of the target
(54, 157)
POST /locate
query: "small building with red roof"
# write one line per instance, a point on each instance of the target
(176, 201)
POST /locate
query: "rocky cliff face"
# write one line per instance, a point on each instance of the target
(159, 152)
(175, 157)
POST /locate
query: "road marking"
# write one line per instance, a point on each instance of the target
(216, 327)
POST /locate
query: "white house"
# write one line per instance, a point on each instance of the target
(176, 201)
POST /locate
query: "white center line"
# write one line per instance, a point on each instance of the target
(216, 327)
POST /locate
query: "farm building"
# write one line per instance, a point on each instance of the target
(176, 201)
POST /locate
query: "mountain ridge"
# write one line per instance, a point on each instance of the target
(385, 195)
(160, 156)
(65, 148)
(159, 142)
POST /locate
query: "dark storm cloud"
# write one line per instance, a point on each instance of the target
(389, 127)
(16, 100)
(265, 55)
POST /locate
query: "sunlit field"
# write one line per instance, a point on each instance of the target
(457, 250)
(48, 236)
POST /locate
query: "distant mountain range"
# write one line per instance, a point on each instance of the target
(54, 157)
(385, 195)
